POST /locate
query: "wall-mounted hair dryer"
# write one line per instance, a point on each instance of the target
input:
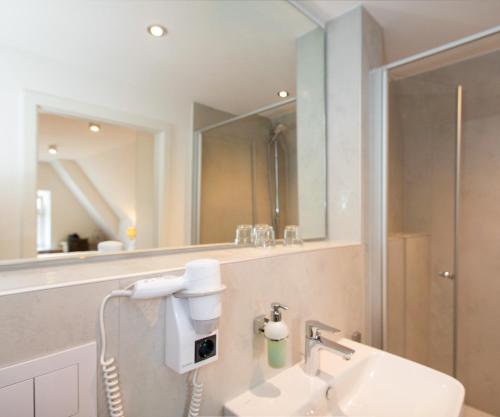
(192, 313)
(193, 308)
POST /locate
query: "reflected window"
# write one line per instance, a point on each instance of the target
(43, 235)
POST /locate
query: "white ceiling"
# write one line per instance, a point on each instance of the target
(233, 55)
(412, 26)
(74, 140)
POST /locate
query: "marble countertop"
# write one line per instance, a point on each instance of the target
(55, 276)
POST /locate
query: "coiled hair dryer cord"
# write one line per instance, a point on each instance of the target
(196, 396)
(109, 369)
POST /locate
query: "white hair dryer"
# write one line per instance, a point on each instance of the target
(192, 311)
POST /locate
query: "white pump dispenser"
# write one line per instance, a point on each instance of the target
(276, 333)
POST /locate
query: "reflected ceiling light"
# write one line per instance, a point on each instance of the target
(52, 149)
(94, 127)
(283, 93)
(157, 31)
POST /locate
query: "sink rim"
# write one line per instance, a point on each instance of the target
(373, 361)
(332, 367)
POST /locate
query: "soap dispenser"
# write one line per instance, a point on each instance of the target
(276, 333)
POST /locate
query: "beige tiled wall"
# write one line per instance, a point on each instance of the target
(396, 296)
(325, 284)
(417, 273)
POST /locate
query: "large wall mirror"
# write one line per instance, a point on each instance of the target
(157, 124)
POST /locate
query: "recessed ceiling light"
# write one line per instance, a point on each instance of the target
(52, 149)
(94, 127)
(283, 93)
(157, 31)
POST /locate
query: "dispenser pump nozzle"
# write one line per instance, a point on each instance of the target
(275, 311)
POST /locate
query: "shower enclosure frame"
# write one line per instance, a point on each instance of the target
(376, 207)
(197, 152)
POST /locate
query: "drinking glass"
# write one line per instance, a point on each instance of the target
(291, 236)
(263, 236)
(244, 235)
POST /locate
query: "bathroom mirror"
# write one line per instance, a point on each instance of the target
(157, 124)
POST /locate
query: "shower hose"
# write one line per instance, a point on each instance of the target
(109, 369)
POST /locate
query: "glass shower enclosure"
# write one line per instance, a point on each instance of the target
(248, 173)
(443, 218)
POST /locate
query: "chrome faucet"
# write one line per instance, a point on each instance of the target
(315, 342)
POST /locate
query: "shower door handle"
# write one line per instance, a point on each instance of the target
(447, 274)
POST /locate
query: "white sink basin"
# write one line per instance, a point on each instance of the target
(373, 383)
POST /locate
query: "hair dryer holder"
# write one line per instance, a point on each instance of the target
(195, 293)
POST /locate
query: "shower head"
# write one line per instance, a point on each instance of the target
(279, 129)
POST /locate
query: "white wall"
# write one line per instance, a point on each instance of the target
(125, 179)
(19, 72)
(88, 196)
(113, 174)
(67, 214)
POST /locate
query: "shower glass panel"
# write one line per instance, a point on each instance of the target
(421, 208)
(443, 249)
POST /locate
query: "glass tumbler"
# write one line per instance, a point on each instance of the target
(244, 235)
(291, 236)
(263, 236)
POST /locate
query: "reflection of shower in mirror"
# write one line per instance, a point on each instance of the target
(248, 172)
(277, 155)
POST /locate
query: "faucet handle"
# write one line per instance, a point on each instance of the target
(313, 328)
